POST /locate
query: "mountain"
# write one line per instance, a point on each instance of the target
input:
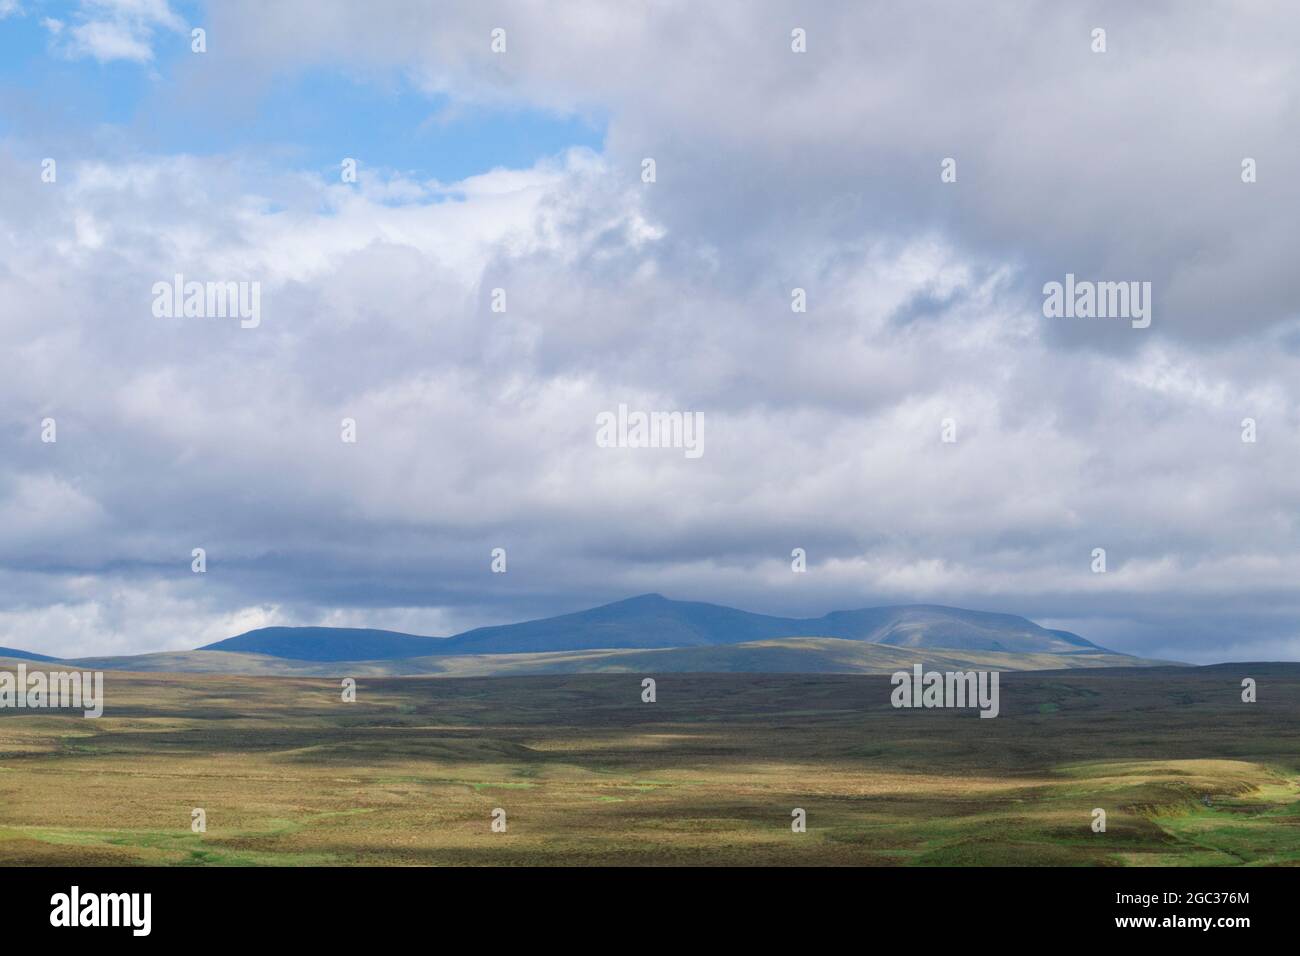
(328, 644)
(653, 621)
(10, 652)
(649, 620)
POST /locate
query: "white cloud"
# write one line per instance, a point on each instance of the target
(108, 30)
(822, 429)
(476, 428)
(105, 41)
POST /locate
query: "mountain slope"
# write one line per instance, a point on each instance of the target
(649, 620)
(13, 653)
(653, 621)
(794, 655)
(926, 625)
(328, 643)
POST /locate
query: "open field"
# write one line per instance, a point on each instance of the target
(588, 774)
(791, 655)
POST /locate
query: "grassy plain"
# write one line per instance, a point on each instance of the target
(588, 774)
(788, 655)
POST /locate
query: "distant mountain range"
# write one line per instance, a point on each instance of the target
(654, 621)
(329, 644)
(24, 655)
(648, 632)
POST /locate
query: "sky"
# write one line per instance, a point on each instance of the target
(516, 161)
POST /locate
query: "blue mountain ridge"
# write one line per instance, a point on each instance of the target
(12, 652)
(654, 621)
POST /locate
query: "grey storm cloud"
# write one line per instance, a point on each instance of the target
(775, 170)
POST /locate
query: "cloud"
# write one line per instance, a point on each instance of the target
(108, 30)
(775, 170)
(1124, 164)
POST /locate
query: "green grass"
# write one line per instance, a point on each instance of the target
(588, 774)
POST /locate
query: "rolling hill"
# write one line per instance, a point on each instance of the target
(328, 644)
(649, 633)
(802, 655)
(9, 652)
(654, 621)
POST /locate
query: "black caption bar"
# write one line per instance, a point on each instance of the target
(137, 906)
